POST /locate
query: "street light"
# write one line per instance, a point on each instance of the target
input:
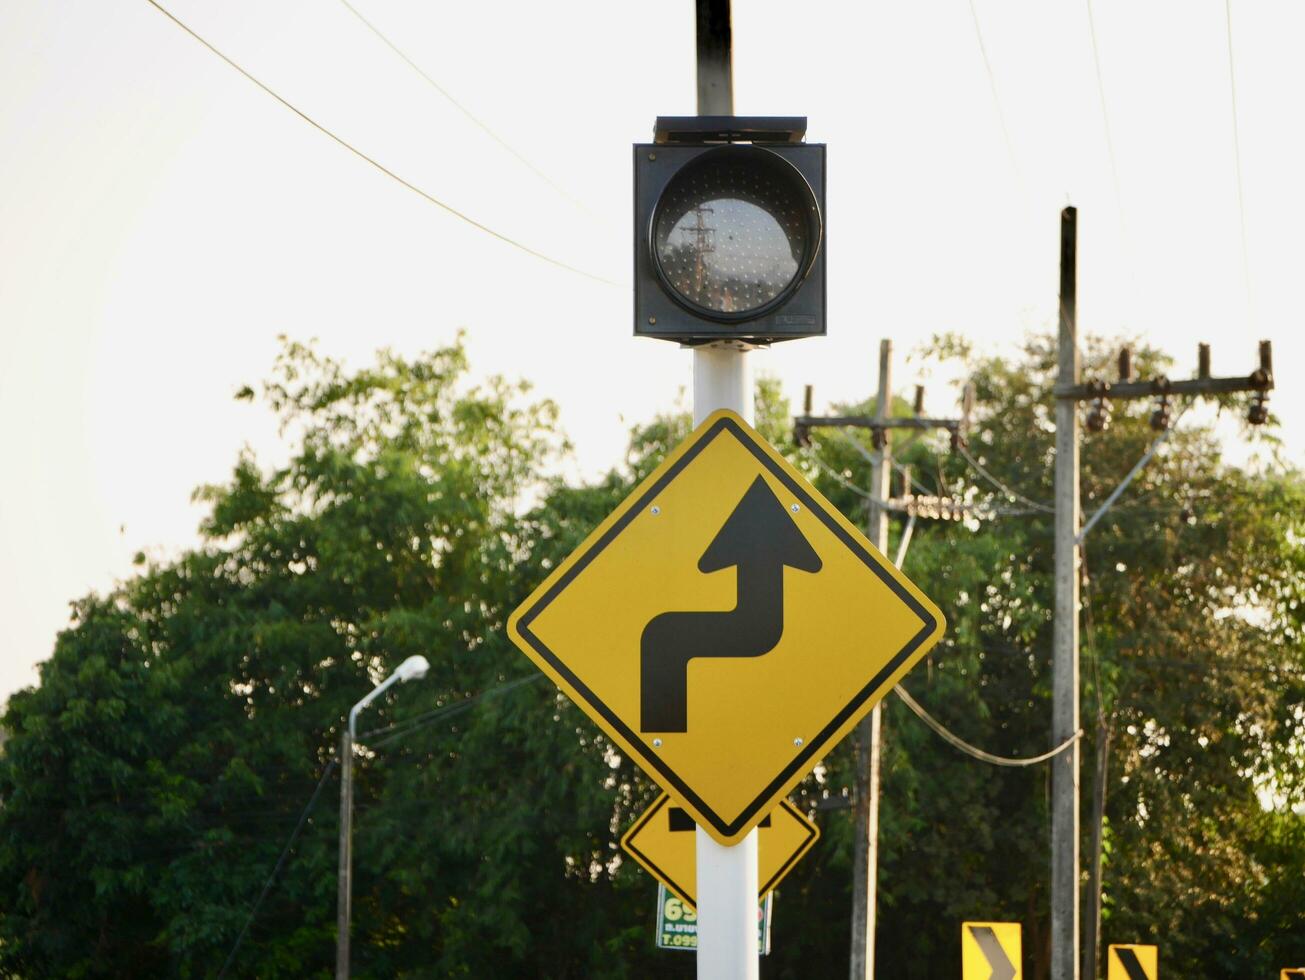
(412, 669)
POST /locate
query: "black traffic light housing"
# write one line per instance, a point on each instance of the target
(766, 279)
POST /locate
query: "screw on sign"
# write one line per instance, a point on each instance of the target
(663, 841)
(726, 626)
(1132, 962)
(991, 951)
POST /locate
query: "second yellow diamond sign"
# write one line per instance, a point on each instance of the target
(726, 626)
(663, 841)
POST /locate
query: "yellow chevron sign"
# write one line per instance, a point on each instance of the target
(1128, 961)
(991, 951)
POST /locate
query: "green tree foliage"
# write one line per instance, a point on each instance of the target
(151, 781)
(152, 778)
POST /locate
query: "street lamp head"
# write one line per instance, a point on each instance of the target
(413, 669)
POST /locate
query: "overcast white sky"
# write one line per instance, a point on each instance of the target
(162, 220)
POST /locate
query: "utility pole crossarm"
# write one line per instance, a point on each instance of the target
(863, 422)
(1100, 392)
(1122, 391)
(880, 424)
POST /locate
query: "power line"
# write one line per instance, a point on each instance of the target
(1105, 114)
(276, 870)
(955, 740)
(873, 458)
(847, 484)
(1237, 156)
(463, 109)
(408, 725)
(960, 506)
(1156, 443)
(996, 99)
(1008, 491)
(379, 166)
(959, 743)
(1110, 149)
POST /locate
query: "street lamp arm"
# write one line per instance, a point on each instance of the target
(412, 669)
(372, 695)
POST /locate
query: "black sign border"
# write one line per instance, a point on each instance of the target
(815, 747)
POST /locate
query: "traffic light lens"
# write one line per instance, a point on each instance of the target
(735, 231)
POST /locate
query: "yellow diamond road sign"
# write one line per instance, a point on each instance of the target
(991, 951)
(726, 626)
(1132, 962)
(664, 842)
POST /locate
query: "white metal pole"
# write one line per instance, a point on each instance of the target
(722, 378)
(727, 909)
(727, 876)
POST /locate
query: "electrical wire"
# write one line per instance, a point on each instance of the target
(1156, 443)
(959, 743)
(1237, 157)
(875, 458)
(996, 99)
(1105, 116)
(847, 484)
(955, 740)
(1125, 237)
(276, 870)
(1008, 491)
(408, 725)
(378, 165)
(1089, 636)
(981, 512)
(463, 109)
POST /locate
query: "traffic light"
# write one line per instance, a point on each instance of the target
(729, 231)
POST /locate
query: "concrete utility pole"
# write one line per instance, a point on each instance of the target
(727, 876)
(1064, 643)
(865, 859)
(1067, 955)
(344, 875)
